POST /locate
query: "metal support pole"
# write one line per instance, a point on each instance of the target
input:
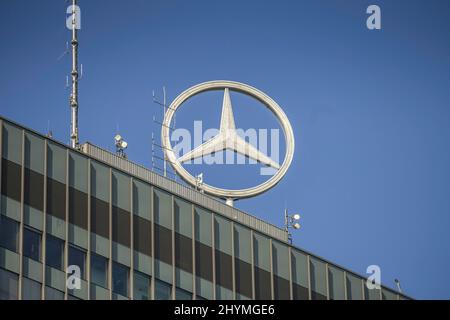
(74, 95)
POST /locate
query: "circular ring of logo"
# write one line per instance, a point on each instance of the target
(247, 90)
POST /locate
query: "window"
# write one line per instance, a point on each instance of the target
(56, 162)
(120, 279)
(121, 226)
(318, 280)
(183, 235)
(34, 170)
(183, 252)
(9, 285)
(56, 181)
(222, 243)
(280, 256)
(242, 261)
(388, 295)
(299, 275)
(31, 290)
(53, 294)
(372, 294)
(141, 286)
(243, 278)
(121, 208)
(141, 199)
(262, 284)
(141, 217)
(99, 270)
(78, 208)
(78, 166)
(100, 199)
(203, 245)
(11, 179)
(12, 158)
(77, 257)
(163, 290)
(31, 244)
(354, 287)
(163, 225)
(142, 235)
(163, 244)
(120, 184)
(183, 217)
(34, 153)
(34, 189)
(162, 208)
(203, 261)
(100, 217)
(261, 248)
(9, 233)
(336, 283)
(224, 273)
(12, 142)
(56, 199)
(181, 294)
(54, 252)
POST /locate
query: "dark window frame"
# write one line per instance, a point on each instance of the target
(118, 285)
(5, 239)
(27, 231)
(48, 242)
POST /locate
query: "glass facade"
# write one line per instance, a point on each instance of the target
(243, 262)
(120, 279)
(9, 233)
(99, 270)
(336, 283)
(54, 252)
(136, 238)
(9, 283)
(31, 290)
(77, 257)
(142, 286)
(262, 267)
(31, 244)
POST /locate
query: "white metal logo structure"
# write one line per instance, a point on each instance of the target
(227, 139)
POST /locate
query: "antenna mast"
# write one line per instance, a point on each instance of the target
(165, 107)
(74, 95)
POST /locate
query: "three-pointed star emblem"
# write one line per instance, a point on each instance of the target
(228, 139)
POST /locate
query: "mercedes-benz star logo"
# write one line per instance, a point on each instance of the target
(228, 139)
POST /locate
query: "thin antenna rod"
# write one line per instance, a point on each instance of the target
(74, 95)
(164, 102)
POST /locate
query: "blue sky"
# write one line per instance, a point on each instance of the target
(370, 109)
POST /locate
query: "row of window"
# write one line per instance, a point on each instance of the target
(32, 290)
(120, 282)
(32, 245)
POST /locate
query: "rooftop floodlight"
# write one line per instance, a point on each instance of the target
(121, 145)
(291, 221)
(199, 182)
(399, 288)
